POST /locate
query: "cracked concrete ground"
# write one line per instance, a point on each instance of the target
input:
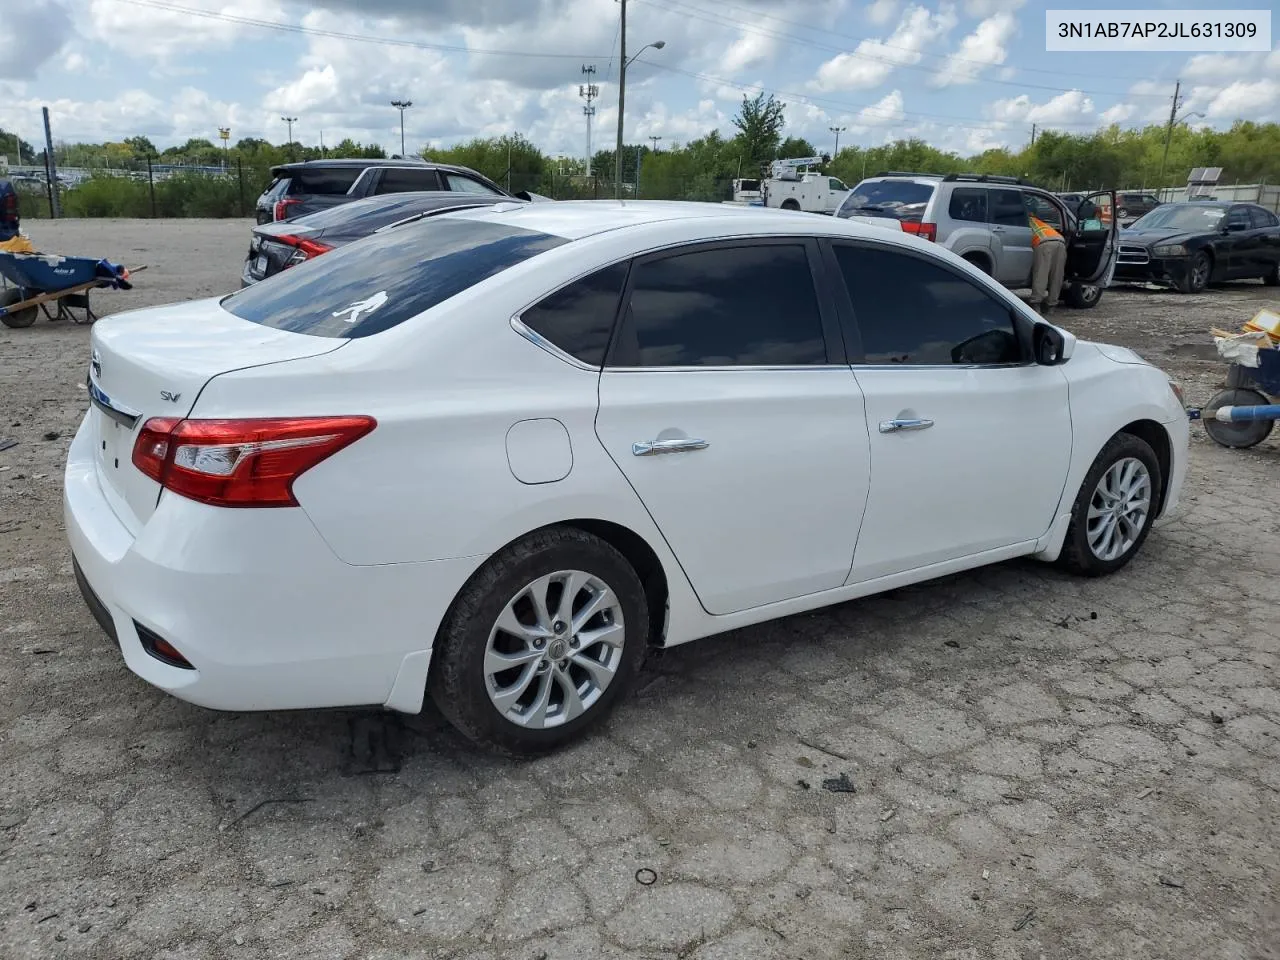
(1044, 766)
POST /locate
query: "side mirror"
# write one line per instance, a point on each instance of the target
(1048, 344)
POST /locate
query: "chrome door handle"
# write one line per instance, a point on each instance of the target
(893, 426)
(647, 448)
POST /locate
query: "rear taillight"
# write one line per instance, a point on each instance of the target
(306, 249)
(926, 231)
(241, 463)
(281, 209)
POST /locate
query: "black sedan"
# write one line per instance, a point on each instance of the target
(279, 246)
(1191, 245)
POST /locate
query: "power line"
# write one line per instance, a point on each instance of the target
(341, 35)
(696, 13)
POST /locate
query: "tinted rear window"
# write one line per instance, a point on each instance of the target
(904, 199)
(382, 281)
(324, 181)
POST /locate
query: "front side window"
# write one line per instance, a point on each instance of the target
(1238, 219)
(579, 318)
(370, 286)
(467, 185)
(1043, 209)
(750, 305)
(912, 311)
(1007, 208)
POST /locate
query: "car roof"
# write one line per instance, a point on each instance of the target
(576, 219)
(1200, 203)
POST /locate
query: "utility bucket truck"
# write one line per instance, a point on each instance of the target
(791, 185)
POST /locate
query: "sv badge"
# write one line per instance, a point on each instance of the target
(171, 397)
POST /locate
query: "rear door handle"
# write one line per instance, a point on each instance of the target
(894, 426)
(649, 448)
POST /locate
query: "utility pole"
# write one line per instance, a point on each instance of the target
(589, 91)
(837, 131)
(1033, 134)
(655, 142)
(1168, 134)
(402, 106)
(622, 97)
(290, 121)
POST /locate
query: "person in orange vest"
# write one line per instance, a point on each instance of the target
(1048, 265)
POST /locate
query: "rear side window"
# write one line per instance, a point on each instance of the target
(1262, 217)
(912, 311)
(371, 286)
(579, 318)
(968, 205)
(397, 180)
(468, 185)
(327, 181)
(750, 305)
(1007, 208)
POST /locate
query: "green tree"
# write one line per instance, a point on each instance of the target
(796, 147)
(140, 145)
(759, 121)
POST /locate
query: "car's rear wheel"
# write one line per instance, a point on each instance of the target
(1083, 296)
(20, 318)
(979, 261)
(541, 642)
(1199, 272)
(1114, 509)
(1272, 277)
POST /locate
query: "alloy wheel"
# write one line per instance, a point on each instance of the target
(1119, 509)
(554, 650)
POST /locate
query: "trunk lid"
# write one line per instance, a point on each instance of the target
(154, 363)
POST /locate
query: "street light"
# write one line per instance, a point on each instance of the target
(402, 106)
(624, 62)
(837, 131)
(290, 121)
(1168, 138)
(655, 142)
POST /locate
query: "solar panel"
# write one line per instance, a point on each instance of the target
(1204, 175)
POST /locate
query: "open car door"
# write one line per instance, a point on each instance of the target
(1095, 245)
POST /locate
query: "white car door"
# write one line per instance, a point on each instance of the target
(970, 440)
(727, 403)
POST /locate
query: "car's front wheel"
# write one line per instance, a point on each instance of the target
(1272, 277)
(1114, 509)
(1199, 273)
(541, 642)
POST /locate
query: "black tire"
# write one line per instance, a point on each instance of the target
(1077, 556)
(790, 204)
(1237, 436)
(457, 682)
(1199, 273)
(1083, 296)
(1272, 279)
(22, 318)
(981, 262)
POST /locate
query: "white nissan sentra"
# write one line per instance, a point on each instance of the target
(496, 455)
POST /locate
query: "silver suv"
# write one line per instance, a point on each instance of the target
(984, 219)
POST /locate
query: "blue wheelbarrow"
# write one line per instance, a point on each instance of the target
(1244, 414)
(36, 282)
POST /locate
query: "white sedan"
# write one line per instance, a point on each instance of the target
(497, 455)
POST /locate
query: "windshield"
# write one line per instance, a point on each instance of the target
(1190, 217)
(385, 279)
(904, 199)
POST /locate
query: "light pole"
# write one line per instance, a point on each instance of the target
(837, 131)
(290, 121)
(623, 63)
(224, 134)
(1168, 138)
(402, 106)
(655, 142)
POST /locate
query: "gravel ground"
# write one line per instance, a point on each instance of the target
(1043, 766)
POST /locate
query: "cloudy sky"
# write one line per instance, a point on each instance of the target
(964, 74)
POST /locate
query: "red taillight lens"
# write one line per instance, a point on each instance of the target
(241, 463)
(306, 248)
(281, 209)
(926, 231)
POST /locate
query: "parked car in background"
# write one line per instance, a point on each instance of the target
(984, 219)
(298, 189)
(499, 454)
(278, 246)
(1190, 245)
(1131, 206)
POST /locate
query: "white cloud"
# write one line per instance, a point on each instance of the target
(988, 8)
(1251, 100)
(872, 61)
(881, 12)
(1118, 113)
(75, 62)
(986, 46)
(750, 49)
(886, 111)
(31, 33)
(1070, 107)
(167, 35)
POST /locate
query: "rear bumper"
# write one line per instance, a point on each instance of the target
(1167, 272)
(267, 615)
